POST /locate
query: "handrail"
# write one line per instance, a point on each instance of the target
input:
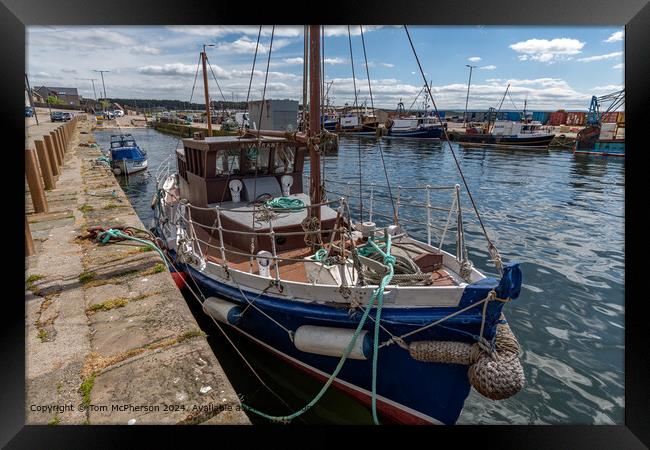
(292, 209)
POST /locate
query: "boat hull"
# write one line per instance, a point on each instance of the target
(427, 133)
(408, 391)
(489, 139)
(129, 166)
(613, 147)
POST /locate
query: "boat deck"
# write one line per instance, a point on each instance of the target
(294, 270)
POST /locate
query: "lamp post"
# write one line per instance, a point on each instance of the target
(467, 98)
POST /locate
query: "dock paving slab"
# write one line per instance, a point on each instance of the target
(105, 324)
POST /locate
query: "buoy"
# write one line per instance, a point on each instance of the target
(331, 341)
(222, 310)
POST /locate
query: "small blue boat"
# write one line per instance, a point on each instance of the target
(126, 156)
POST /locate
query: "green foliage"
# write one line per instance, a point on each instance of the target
(52, 100)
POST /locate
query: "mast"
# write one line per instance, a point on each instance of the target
(304, 78)
(205, 89)
(314, 116)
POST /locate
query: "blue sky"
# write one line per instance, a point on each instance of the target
(551, 67)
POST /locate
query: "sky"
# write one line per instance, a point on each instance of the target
(549, 67)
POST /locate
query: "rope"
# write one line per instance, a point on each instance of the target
(491, 246)
(377, 295)
(285, 203)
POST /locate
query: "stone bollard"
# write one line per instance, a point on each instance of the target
(51, 153)
(34, 181)
(44, 161)
(29, 242)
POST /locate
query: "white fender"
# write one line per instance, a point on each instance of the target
(332, 341)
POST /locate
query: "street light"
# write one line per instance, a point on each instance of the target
(467, 98)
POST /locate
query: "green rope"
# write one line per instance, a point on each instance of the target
(285, 203)
(105, 237)
(378, 295)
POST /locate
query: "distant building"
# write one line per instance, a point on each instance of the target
(69, 96)
(279, 115)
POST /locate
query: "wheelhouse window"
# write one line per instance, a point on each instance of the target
(228, 162)
(256, 160)
(283, 159)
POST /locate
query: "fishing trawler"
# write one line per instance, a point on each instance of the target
(125, 155)
(424, 126)
(402, 325)
(525, 133)
(508, 133)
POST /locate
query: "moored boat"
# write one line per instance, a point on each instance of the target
(125, 155)
(403, 325)
(598, 138)
(508, 133)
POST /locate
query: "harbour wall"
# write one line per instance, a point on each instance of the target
(109, 337)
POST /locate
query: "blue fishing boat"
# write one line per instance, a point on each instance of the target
(126, 156)
(405, 326)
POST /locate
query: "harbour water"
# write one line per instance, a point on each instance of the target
(560, 215)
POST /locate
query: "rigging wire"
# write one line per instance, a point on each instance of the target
(257, 156)
(356, 105)
(491, 247)
(381, 152)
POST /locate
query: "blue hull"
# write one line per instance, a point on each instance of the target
(408, 391)
(605, 148)
(430, 133)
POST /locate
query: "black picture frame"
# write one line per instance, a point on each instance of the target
(633, 14)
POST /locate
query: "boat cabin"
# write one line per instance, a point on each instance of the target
(237, 174)
(122, 140)
(510, 128)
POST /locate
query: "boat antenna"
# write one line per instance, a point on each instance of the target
(381, 152)
(492, 250)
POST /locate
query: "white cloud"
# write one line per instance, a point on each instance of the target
(174, 69)
(607, 88)
(545, 50)
(601, 57)
(342, 30)
(144, 49)
(252, 30)
(387, 64)
(616, 36)
(474, 59)
(334, 61)
(68, 70)
(489, 67)
(297, 60)
(619, 66)
(247, 45)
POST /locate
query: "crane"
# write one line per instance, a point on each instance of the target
(615, 99)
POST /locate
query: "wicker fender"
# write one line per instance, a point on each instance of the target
(497, 375)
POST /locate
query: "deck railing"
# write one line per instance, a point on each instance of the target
(345, 232)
